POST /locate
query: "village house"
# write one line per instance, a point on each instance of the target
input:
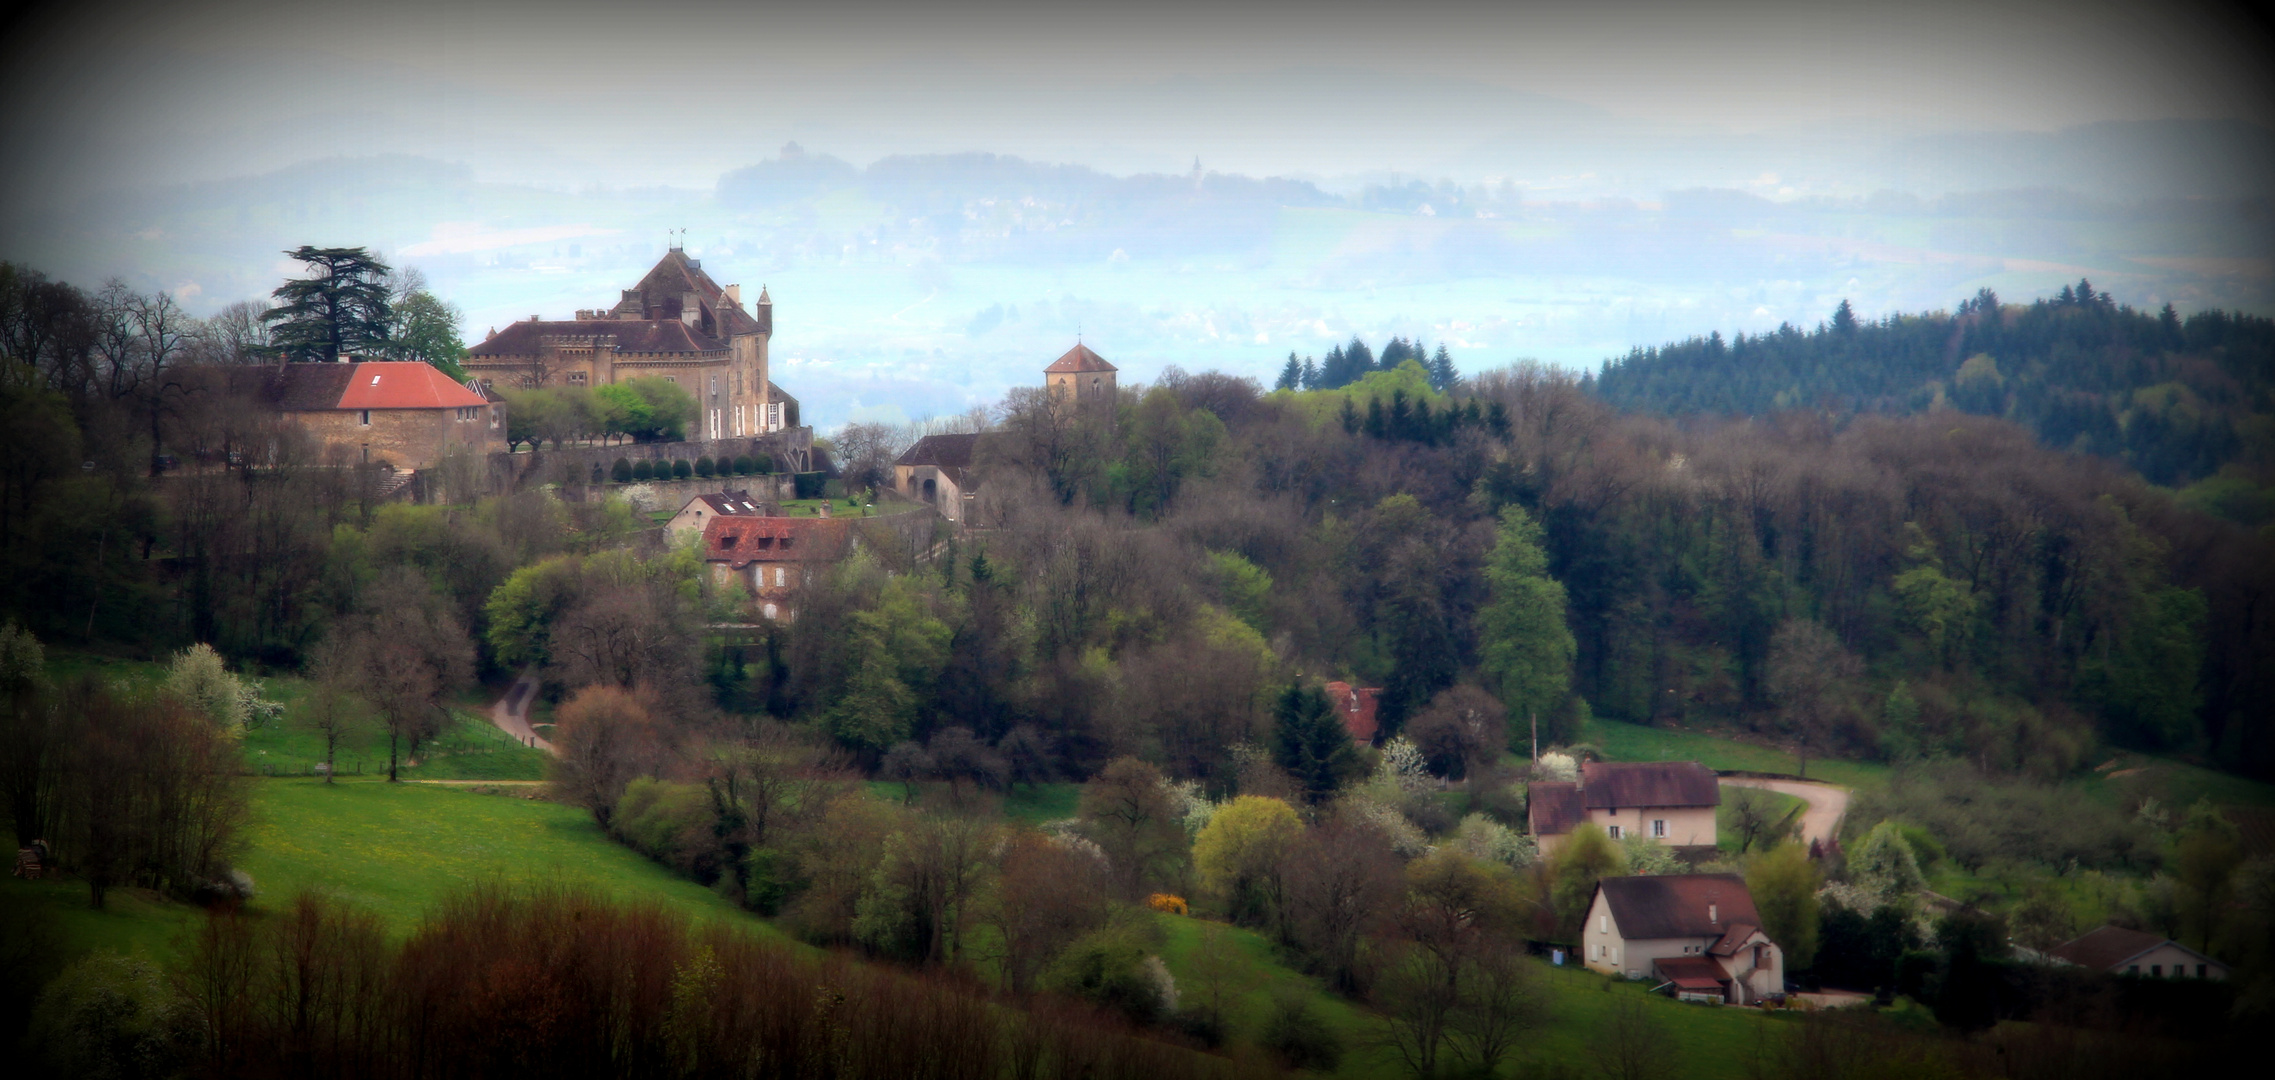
(774, 557)
(937, 470)
(405, 414)
(2119, 951)
(1696, 935)
(1356, 707)
(676, 324)
(1671, 802)
(693, 517)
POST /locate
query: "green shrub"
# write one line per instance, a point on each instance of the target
(1113, 967)
(622, 473)
(703, 467)
(643, 471)
(1300, 1037)
(762, 463)
(109, 1016)
(742, 465)
(681, 470)
(668, 822)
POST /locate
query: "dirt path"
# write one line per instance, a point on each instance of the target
(511, 713)
(1827, 802)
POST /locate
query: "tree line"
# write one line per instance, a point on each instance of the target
(2177, 399)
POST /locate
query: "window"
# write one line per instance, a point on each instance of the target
(672, 379)
(781, 575)
(364, 418)
(2199, 971)
(576, 378)
(2156, 971)
(1659, 828)
(1614, 830)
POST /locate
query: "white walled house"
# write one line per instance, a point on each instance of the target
(1697, 934)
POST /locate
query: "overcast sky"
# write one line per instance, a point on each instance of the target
(576, 93)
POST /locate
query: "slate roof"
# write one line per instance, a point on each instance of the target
(776, 393)
(1614, 784)
(2106, 947)
(676, 275)
(943, 451)
(740, 540)
(1678, 905)
(1555, 807)
(373, 384)
(1078, 359)
(659, 336)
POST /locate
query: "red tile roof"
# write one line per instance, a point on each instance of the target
(1357, 708)
(2105, 948)
(1553, 807)
(1691, 972)
(740, 540)
(403, 385)
(1679, 905)
(730, 504)
(1078, 359)
(1609, 785)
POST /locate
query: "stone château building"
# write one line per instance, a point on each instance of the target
(677, 324)
(1081, 377)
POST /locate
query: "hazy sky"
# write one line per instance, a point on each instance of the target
(573, 93)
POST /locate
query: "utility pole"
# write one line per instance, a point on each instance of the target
(1534, 716)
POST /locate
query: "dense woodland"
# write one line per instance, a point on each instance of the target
(1153, 591)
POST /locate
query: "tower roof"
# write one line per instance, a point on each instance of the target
(1078, 359)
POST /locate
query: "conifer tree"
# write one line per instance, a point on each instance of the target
(1442, 373)
(1291, 376)
(1523, 641)
(1309, 741)
(342, 309)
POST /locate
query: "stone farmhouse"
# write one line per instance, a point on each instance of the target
(677, 324)
(400, 413)
(1671, 802)
(2119, 951)
(937, 470)
(774, 557)
(698, 512)
(1697, 935)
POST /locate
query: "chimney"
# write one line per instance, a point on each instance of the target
(735, 295)
(1713, 913)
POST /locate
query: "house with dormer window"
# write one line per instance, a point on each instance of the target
(1697, 936)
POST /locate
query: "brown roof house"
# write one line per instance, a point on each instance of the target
(401, 413)
(2119, 951)
(699, 510)
(1080, 377)
(676, 324)
(1696, 935)
(938, 470)
(1671, 802)
(774, 557)
(1356, 706)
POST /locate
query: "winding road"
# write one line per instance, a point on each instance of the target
(511, 713)
(1828, 803)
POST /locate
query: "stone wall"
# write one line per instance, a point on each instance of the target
(667, 496)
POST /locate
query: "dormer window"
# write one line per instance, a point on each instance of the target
(727, 543)
(1713, 913)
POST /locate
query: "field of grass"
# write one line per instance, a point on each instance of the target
(1714, 1042)
(470, 749)
(1634, 742)
(398, 848)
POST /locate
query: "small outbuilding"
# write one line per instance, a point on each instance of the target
(938, 471)
(693, 517)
